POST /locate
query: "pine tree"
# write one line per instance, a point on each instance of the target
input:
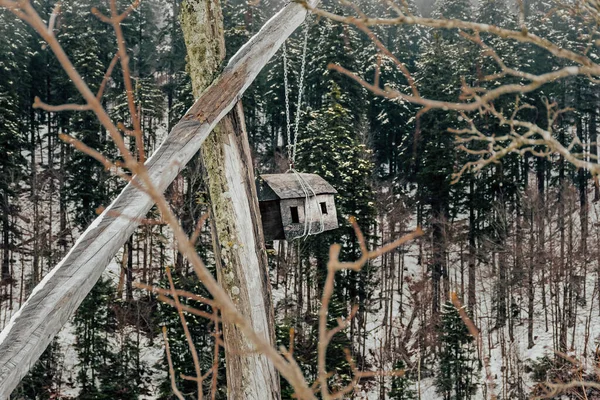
(498, 184)
(456, 378)
(242, 20)
(330, 147)
(13, 136)
(140, 31)
(402, 386)
(123, 378)
(149, 103)
(94, 322)
(200, 331)
(177, 87)
(392, 121)
(88, 185)
(445, 59)
(332, 42)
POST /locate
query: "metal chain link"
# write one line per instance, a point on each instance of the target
(287, 104)
(300, 90)
(292, 145)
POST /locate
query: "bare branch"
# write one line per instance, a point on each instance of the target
(115, 21)
(186, 330)
(523, 36)
(53, 16)
(333, 266)
(181, 293)
(37, 103)
(107, 75)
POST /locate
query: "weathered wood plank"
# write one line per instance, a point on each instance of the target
(57, 297)
(288, 186)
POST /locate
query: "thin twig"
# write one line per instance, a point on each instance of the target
(186, 330)
(107, 75)
(176, 391)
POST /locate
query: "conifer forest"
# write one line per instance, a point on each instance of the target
(270, 199)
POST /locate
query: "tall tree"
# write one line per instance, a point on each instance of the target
(13, 133)
(402, 385)
(444, 60)
(239, 248)
(456, 377)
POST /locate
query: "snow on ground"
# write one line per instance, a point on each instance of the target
(583, 338)
(495, 342)
(150, 353)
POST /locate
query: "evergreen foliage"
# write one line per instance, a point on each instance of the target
(13, 130)
(457, 374)
(94, 322)
(402, 386)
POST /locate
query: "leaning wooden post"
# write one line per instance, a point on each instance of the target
(59, 294)
(238, 241)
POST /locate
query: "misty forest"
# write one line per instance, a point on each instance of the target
(335, 199)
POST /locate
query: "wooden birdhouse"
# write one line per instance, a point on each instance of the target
(293, 205)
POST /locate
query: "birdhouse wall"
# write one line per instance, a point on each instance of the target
(270, 214)
(294, 215)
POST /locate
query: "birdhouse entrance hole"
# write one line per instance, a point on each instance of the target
(295, 216)
(323, 207)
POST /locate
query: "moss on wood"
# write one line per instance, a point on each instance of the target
(202, 26)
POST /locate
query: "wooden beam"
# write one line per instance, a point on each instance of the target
(56, 298)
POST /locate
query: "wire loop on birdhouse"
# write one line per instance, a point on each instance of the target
(308, 193)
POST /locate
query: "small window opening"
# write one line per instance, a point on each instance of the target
(323, 208)
(295, 216)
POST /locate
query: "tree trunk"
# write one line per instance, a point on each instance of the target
(238, 239)
(593, 137)
(62, 241)
(35, 204)
(472, 255)
(129, 271)
(6, 238)
(439, 273)
(541, 235)
(501, 235)
(530, 287)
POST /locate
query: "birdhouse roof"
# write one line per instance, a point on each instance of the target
(288, 186)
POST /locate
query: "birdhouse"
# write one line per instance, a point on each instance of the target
(293, 205)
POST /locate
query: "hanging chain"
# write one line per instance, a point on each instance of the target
(300, 91)
(292, 145)
(287, 105)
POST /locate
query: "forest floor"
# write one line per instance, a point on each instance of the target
(503, 353)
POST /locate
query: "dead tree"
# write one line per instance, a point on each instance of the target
(238, 241)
